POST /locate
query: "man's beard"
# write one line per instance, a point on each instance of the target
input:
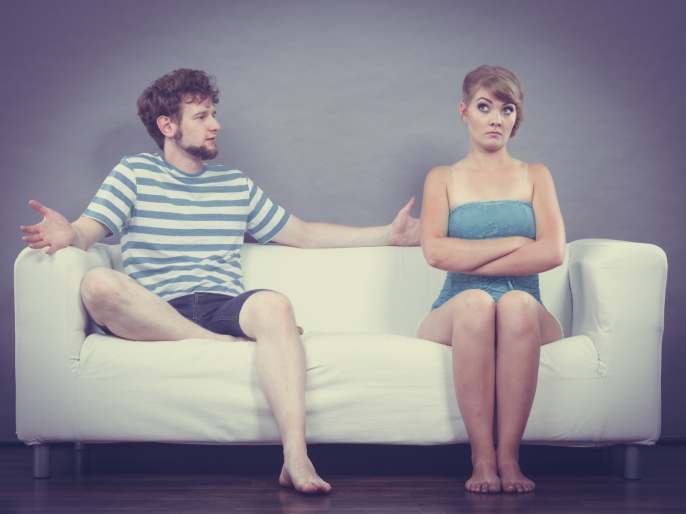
(201, 152)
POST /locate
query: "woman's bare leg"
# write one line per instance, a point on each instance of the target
(467, 322)
(522, 325)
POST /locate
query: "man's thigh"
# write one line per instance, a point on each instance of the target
(221, 315)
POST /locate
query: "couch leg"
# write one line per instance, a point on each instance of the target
(41, 461)
(632, 462)
(81, 458)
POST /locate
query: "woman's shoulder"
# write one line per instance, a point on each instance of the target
(538, 172)
(439, 174)
(447, 171)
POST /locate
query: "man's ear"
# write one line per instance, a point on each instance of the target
(166, 126)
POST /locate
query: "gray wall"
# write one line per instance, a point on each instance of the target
(339, 109)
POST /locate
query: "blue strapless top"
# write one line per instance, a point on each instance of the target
(490, 220)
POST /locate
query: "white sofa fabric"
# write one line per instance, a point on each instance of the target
(368, 379)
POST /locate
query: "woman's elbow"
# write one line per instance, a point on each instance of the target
(558, 255)
(431, 256)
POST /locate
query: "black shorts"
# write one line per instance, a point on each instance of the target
(217, 313)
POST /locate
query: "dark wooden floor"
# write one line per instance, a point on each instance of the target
(130, 478)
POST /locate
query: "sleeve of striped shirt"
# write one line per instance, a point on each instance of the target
(266, 219)
(115, 200)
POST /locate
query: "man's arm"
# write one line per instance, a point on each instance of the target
(548, 251)
(451, 253)
(56, 232)
(403, 231)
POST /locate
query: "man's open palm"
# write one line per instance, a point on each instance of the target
(54, 231)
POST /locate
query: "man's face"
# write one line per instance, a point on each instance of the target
(197, 134)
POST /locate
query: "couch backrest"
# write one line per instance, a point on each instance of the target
(382, 290)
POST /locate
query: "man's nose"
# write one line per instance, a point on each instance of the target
(215, 126)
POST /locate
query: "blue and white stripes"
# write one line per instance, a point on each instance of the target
(183, 233)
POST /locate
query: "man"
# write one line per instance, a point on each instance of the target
(182, 224)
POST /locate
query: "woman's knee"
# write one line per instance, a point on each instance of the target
(474, 304)
(518, 311)
(472, 311)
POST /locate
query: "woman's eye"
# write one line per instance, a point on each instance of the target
(482, 107)
(508, 110)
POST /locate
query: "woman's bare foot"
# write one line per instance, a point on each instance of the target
(484, 478)
(512, 479)
(298, 472)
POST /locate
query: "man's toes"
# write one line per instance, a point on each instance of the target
(307, 487)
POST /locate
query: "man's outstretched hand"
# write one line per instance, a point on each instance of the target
(405, 228)
(54, 231)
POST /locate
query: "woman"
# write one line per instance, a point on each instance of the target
(493, 222)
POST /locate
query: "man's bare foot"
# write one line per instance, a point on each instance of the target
(512, 478)
(298, 472)
(484, 478)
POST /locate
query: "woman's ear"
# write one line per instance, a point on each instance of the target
(463, 111)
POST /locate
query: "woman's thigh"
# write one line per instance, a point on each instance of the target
(551, 330)
(473, 305)
(514, 307)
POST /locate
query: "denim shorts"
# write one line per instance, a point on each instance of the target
(217, 313)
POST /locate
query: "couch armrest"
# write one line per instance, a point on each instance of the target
(618, 297)
(51, 324)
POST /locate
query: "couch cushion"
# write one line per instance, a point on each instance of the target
(361, 388)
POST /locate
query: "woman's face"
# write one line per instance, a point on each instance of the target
(489, 119)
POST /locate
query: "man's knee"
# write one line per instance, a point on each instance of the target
(101, 286)
(265, 309)
(269, 304)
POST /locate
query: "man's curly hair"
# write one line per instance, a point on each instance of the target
(165, 96)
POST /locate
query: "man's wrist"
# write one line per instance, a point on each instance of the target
(79, 240)
(390, 236)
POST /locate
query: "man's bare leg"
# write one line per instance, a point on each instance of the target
(132, 312)
(268, 318)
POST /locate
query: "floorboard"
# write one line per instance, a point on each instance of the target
(152, 478)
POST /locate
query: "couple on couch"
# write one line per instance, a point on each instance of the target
(491, 221)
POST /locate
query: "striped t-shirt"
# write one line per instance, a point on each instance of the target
(182, 233)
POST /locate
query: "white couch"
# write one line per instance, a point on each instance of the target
(368, 379)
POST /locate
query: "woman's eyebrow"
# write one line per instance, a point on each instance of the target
(484, 98)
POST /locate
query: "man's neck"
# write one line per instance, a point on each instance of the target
(182, 160)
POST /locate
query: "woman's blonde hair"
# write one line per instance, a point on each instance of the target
(502, 83)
